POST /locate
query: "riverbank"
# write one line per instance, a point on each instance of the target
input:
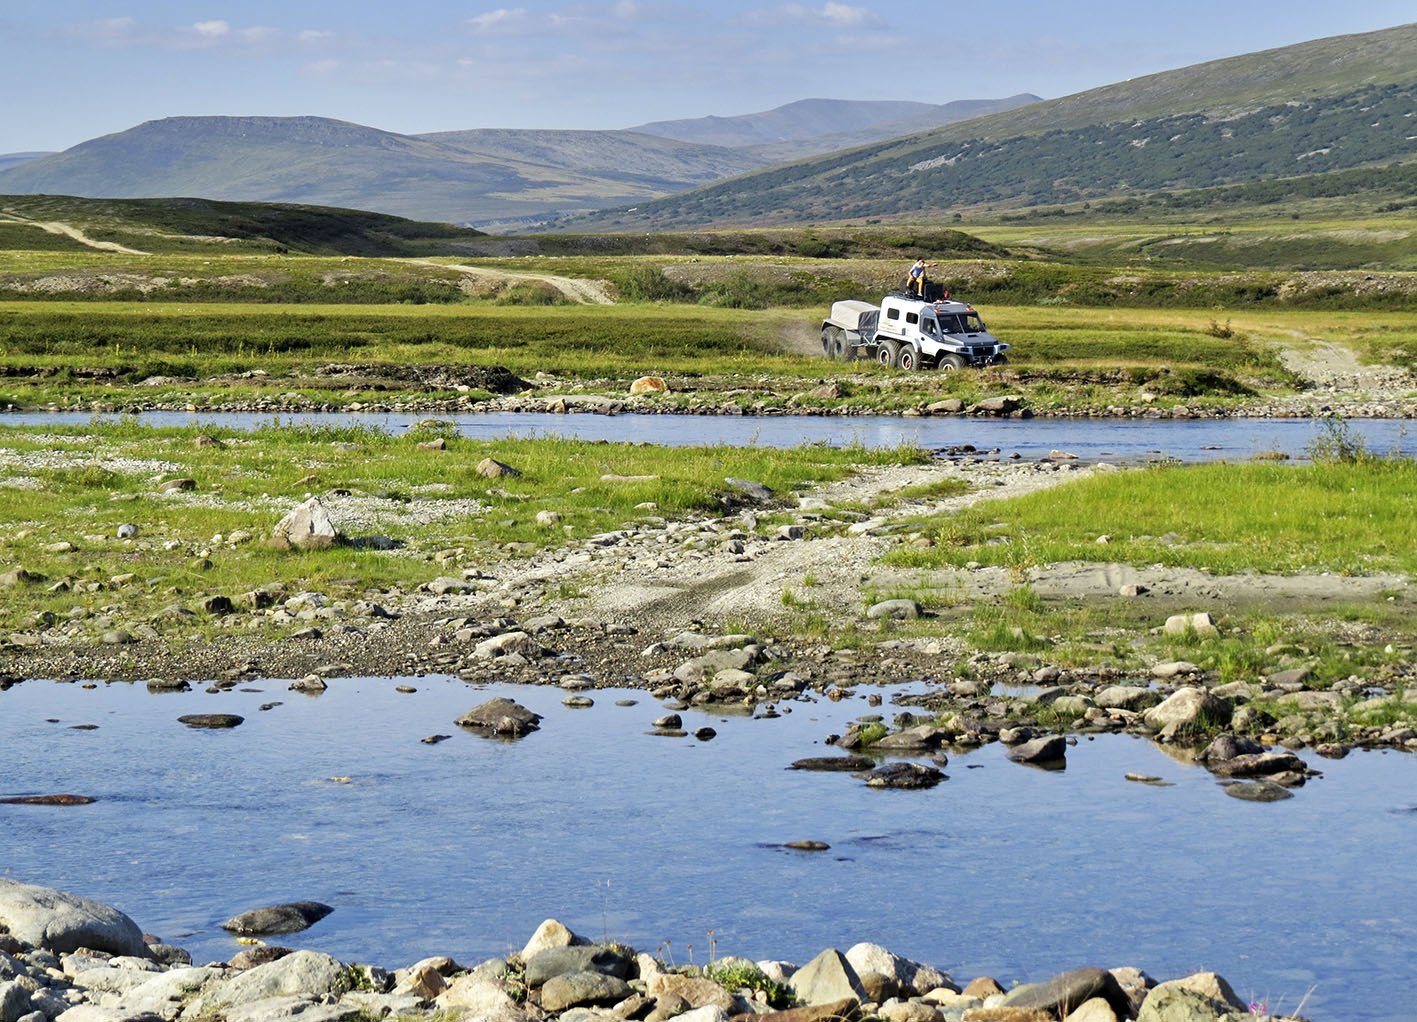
(72, 959)
(866, 579)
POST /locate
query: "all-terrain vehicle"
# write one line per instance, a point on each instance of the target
(910, 332)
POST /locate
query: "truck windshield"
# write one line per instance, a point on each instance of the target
(961, 323)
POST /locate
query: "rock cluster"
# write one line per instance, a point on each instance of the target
(68, 959)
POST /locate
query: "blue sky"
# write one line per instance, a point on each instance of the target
(74, 69)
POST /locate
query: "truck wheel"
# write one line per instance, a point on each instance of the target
(888, 354)
(827, 341)
(1000, 360)
(908, 358)
(839, 346)
(949, 363)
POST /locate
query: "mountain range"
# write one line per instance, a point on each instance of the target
(476, 176)
(1314, 109)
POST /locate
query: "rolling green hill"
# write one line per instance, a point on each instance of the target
(203, 225)
(1311, 109)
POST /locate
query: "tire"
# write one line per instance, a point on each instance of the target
(949, 363)
(827, 341)
(1001, 360)
(909, 358)
(839, 346)
(888, 354)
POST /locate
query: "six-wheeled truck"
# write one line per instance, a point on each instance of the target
(908, 332)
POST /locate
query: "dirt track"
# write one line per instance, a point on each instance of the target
(585, 292)
(54, 227)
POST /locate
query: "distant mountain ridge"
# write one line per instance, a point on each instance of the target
(1322, 106)
(8, 160)
(476, 176)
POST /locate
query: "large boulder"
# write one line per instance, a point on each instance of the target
(1048, 751)
(877, 966)
(308, 527)
(1177, 1004)
(828, 977)
(288, 918)
(696, 992)
(64, 922)
(1208, 984)
(483, 997)
(298, 974)
(583, 988)
(560, 961)
(1069, 990)
(1188, 711)
(502, 718)
(551, 933)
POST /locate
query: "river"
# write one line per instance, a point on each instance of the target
(463, 847)
(1090, 439)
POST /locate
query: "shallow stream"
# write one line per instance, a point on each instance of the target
(1089, 439)
(464, 846)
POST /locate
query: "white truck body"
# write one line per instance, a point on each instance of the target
(906, 332)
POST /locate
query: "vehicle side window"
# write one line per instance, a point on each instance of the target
(927, 325)
(912, 317)
(892, 314)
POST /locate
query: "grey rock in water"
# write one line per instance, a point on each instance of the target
(902, 775)
(211, 721)
(1050, 750)
(308, 527)
(1257, 791)
(1188, 709)
(60, 922)
(834, 763)
(156, 685)
(1262, 764)
(923, 736)
(501, 717)
(289, 918)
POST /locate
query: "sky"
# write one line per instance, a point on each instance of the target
(71, 70)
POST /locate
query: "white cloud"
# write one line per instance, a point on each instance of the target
(211, 29)
(107, 31)
(312, 35)
(829, 15)
(504, 19)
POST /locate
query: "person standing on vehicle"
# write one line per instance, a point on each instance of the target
(915, 282)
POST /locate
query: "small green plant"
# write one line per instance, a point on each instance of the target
(741, 974)
(1336, 442)
(873, 733)
(1025, 598)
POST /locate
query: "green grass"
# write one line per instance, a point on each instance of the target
(1352, 518)
(77, 485)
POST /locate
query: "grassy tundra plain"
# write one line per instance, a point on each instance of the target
(1105, 317)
